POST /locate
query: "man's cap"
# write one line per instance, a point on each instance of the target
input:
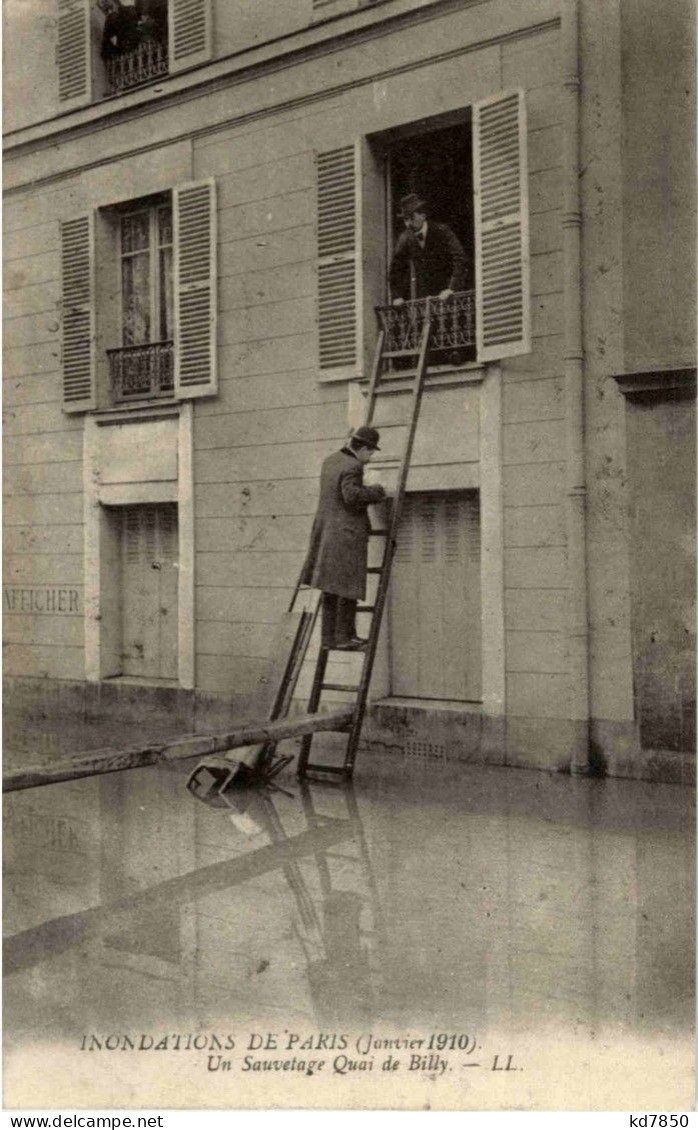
(411, 203)
(366, 436)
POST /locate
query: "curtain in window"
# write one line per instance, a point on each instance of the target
(135, 278)
(166, 283)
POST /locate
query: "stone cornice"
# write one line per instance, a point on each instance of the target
(223, 74)
(319, 38)
(661, 384)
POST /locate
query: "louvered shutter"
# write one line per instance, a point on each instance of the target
(195, 289)
(435, 598)
(77, 293)
(190, 33)
(339, 258)
(73, 53)
(502, 292)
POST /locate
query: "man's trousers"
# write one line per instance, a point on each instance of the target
(338, 619)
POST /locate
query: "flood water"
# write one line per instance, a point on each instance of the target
(544, 922)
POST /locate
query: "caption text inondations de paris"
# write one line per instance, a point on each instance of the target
(317, 1053)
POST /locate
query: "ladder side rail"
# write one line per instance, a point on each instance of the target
(285, 697)
(376, 373)
(313, 703)
(371, 400)
(384, 582)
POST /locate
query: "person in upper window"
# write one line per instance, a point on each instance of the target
(153, 19)
(428, 260)
(122, 30)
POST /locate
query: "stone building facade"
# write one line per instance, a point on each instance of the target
(198, 222)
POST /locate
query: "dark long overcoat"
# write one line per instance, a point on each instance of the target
(338, 551)
(439, 265)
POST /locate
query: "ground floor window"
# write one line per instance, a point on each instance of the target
(435, 601)
(148, 590)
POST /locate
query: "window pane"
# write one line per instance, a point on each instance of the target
(134, 232)
(165, 293)
(135, 289)
(165, 225)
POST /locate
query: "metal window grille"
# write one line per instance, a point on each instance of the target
(140, 372)
(145, 63)
(453, 325)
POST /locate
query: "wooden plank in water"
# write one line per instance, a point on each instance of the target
(110, 760)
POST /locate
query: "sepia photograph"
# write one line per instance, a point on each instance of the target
(349, 571)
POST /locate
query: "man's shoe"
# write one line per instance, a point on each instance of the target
(355, 644)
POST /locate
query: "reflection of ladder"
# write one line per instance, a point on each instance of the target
(345, 970)
(418, 320)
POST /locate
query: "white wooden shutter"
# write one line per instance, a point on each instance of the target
(73, 53)
(190, 33)
(435, 598)
(339, 259)
(502, 293)
(194, 209)
(77, 294)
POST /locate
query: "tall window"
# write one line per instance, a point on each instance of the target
(146, 275)
(139, 278)
(473, 175)
(438, 167)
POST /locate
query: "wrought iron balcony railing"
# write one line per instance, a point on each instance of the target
(139, 372)
(453, 331)
(146, 62)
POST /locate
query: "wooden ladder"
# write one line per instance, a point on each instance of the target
(415, 342)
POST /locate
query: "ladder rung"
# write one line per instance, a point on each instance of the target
(325, 768)
(378, 533)
(366, 608)
(338, 687)
(375, 569)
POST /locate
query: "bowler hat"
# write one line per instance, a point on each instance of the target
(411, 203)
(367, 437)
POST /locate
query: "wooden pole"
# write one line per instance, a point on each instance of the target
(110, 760)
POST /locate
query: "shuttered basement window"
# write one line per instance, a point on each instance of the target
(435, 602)
(73, 53)
(501, 227)
(189, 33)
(338, 258)
(77, 292)
(195, 289)
(149, 591)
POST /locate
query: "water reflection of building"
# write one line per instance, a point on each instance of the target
(184, 914)
(129, 904)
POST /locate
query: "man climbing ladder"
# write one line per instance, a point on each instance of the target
(412, 340)
(336, 563)
(337, 556)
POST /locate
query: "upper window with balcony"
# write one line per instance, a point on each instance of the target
(141, 367)
(472, 172)
(139, 300)
(134, 43)
(109, 47)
